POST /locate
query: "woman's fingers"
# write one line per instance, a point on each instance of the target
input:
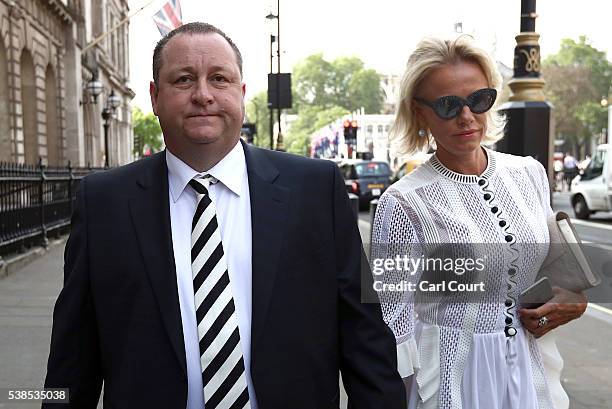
(563, 308)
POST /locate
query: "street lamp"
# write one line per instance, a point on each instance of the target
(271, 16)
(605, 104)
(270, 106)
(112, 103)
(93, 88)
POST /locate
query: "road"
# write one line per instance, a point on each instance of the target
(598, 229)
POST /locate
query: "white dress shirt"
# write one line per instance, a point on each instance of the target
(232, 200)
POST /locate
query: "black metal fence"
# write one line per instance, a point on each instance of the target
(36, 201)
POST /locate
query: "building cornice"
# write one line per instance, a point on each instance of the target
(62, 10)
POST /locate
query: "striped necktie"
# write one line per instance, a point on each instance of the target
(221, 361)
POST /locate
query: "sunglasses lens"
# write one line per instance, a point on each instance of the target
(482, 100)
(448, 107)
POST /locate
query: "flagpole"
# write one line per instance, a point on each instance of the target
(122, 22)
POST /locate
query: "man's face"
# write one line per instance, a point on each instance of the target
(199, 98)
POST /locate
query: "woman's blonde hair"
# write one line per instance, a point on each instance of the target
(431, 53)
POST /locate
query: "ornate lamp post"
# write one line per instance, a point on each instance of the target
(112, 103)
(529, 114)
(94, 88)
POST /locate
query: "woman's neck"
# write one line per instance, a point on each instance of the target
(470, 163)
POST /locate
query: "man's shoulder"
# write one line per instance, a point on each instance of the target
(292, 163)
(126, 175)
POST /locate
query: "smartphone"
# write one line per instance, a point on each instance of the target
(537, 294)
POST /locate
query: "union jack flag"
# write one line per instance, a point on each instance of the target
(169, 17)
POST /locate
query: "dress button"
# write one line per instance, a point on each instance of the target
(508, 320)
(512, 271)
(508, 239)
(494, 209)
(508, 302)
(502, 223)
(481, 182)
(510, 331)
(487, 196)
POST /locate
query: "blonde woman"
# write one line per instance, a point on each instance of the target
(473, 351)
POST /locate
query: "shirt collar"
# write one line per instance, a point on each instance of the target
(229, 171)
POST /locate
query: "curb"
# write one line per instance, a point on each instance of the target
(16, 262)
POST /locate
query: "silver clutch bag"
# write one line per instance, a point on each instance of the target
(566, 265)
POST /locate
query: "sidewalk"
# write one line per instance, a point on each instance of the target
(26, 306)
(27, 298)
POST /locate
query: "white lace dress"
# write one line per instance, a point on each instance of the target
(462, 353)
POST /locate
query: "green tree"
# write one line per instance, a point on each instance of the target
(311, 82)
(364, 91)
(583, 54)
(146, 131)
(343, 82)
(577, 77)
(323, 91)
(257, 111)
(310, 119)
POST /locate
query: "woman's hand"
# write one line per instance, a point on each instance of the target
(564, 307)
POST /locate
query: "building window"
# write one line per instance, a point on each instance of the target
(380, 128)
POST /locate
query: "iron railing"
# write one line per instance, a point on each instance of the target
(36, 201)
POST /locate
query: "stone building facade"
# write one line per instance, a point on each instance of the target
(46, 62)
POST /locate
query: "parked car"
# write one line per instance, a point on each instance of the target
(592, 190)
(409, 165)
(365, 178)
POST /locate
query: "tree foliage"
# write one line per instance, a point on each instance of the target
(310, 119)
(343, 82)
(323, 91)
(147, 132)
(577, 78)
(257, 111)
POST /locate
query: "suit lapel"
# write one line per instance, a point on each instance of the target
(269, 210)
(150, 211)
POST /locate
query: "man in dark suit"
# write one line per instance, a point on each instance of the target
(215, 273)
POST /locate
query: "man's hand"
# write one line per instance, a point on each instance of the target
(564, 307)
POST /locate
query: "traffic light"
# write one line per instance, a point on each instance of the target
(350, 132)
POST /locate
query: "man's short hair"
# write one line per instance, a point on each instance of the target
(190, 28)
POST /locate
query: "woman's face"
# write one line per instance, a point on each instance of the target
(462, 134)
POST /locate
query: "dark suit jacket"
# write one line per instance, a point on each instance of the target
(117, 319)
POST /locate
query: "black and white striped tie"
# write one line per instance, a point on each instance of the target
(223, 376)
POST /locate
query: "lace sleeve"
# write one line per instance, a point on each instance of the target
(393, 237)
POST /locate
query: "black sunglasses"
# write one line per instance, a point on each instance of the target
(450, 106)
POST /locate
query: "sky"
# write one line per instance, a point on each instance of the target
(382, 33)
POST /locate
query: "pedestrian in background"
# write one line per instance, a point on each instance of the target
(477, 355)
(558, 174)
(216, 274)
(570, 169)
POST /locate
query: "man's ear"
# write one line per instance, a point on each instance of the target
(153, 94)
(243, 87)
